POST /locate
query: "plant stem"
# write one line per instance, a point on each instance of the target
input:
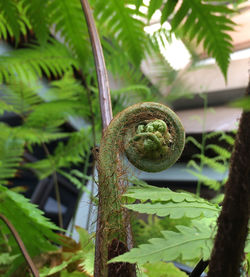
(203, 143)
(56, 186)
(228, 251)
(102, 76)
(106, 112)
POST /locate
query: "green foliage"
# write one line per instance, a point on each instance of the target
(168, 203)
(188, 243)
(66, 57)
(117, 19)
(11, 149)
(50, 59)
(68, 21)
(34, 229)
(174, 210)
(204, 22)
(162, 269)
(74, 257)
(219, 162)
(9, 12)
(64, 155)
(37, 12)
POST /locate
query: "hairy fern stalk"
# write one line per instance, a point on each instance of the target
(153, 139)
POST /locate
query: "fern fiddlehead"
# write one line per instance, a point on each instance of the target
(152, 137)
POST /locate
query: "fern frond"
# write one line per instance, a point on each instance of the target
(208, 23)
(188, 243)
(66, 88)
(168, 9)
(224, 154)
(194, 164)
(213, 184)
(53, 114)
(227, 138)
(34, 229)
(173, 204)
(116, 58)
(118, 21)
(33, 136)
(4, 107)
(11, 150)
(212, 163)
(153, 6)
(6, 27)
(9, 12)
(177, 210)
(76, 181)
(37, 14)
(147, 192)
(21, 97)
(28, 64)
(194, 141)
(64, 155)
(69, 24)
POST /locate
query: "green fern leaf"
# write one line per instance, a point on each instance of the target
(6, 258)
(194, 164)
(177, 210)
(212, 163)
(208, 23)
(168, 10)
(21, 97)
(225, 154)
(160, 194)
(162, 269)
(153, 6)
(9, 11)
(187, 244)
(68, 21)
(11, 149)
(4, 107)
(53, 114)
(116, 20)
(33, 136)
(34, 229)
(30, 63)
(194, 141)
(227, 138)
(37, 13)
(65, 155)
(211, 183)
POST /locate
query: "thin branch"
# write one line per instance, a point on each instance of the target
(21, 245)
(56, 186)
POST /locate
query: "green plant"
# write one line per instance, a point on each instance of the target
(71, 64)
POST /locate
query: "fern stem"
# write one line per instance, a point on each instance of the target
(228, 251)
(56, 186)
(203, 143)
(102, 76)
